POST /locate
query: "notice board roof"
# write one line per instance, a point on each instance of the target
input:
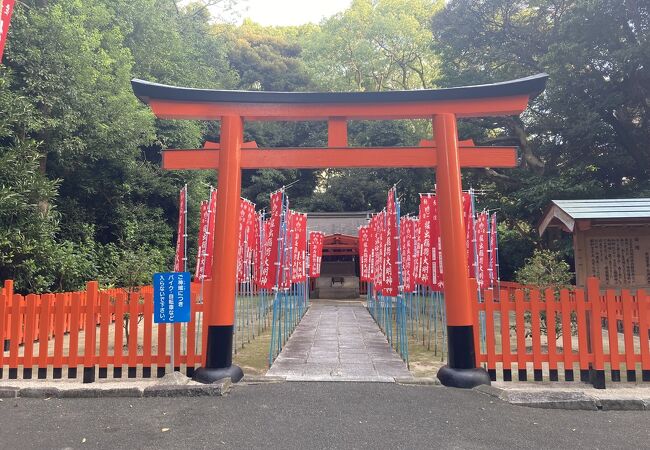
(564, 213)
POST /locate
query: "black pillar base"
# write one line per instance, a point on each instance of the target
(207, 375)
(218, 357)
(461, 372)
(463, 378)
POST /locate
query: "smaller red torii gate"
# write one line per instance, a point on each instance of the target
(445, 153)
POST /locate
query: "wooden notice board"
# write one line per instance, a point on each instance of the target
(618, 255)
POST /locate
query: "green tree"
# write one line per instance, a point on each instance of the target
(585, 137)
(270, 58)
(374, 46)
(95, 148)
(545, 269)
(30, 252)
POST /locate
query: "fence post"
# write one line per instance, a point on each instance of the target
(595, 335)
(92, 293)
(14, 333)
(4, 323)
(643, 333)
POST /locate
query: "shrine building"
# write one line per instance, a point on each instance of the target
(340, 265)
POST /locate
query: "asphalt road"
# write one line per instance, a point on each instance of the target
(314, 415)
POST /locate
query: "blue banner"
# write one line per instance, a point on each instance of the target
(171, 297)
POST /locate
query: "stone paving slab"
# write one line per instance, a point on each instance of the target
(571, 395)
(172, 385)
(338, 342)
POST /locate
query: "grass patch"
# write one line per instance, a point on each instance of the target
(253, 358)
(424, 362)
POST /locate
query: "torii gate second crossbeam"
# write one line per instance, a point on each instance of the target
(424, 156)
(443, 106)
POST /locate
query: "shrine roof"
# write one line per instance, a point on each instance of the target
(530, 86)
(343, 223)
(564, 213)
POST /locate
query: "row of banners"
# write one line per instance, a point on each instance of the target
(407, 251)
(272, 252)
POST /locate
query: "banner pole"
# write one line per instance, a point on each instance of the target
(171, 347)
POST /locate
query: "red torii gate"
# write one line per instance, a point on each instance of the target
(443, 106)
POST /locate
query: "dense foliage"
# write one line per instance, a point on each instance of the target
(82, 195)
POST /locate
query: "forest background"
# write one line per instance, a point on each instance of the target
(82, 195)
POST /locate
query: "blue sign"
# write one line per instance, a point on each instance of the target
(171, 297)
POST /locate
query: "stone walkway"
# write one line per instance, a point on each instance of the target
(338, 341)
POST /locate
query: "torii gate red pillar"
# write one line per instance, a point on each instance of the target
(220, 310)
(460, 370)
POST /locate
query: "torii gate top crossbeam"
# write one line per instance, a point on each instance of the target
(505, 98)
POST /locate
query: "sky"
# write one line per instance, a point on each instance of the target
(290, 12)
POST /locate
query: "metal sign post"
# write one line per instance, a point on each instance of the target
(172, 301)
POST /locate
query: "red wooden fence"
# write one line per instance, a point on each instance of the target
(586, 330)
(86, 329)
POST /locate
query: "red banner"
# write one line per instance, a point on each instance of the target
(364, 253)
(315, 253)
(262, 269)
(482, 264)
(202, 245)
(468, 221)
(247, 226)
(425, 247)
(376, 237)
(5, 18)
(437, 279)
(257, 251)
(298, 272)
(287, 252)
(270, 247)
(416, 249)
(179, 259)
(212, 221)
(390, 278)
(494, 251)
(407, 232)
